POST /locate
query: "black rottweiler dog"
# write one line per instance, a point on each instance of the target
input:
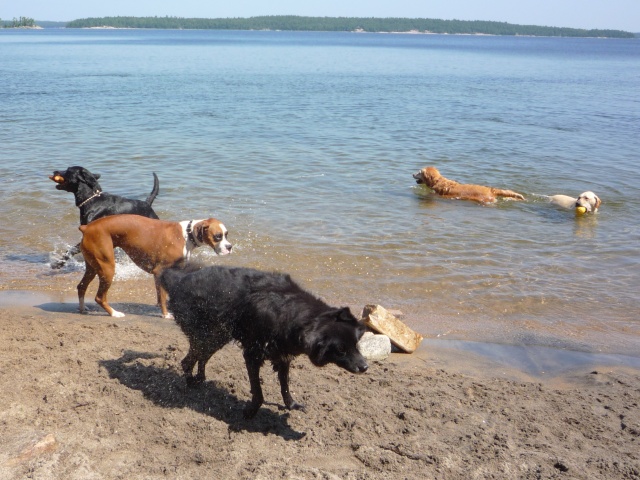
(268, 314)
(94, 203)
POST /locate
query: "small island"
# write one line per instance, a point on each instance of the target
(22, 22)
(344, 24)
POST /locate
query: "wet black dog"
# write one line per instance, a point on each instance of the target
(94, 203)
(268, 314)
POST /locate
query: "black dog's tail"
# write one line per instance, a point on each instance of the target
(156, 188)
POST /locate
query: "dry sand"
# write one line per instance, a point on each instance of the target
(91, 397)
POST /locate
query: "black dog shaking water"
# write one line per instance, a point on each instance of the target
(268, 314)
(94, 203)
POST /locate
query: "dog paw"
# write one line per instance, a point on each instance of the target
(168, 316)
(87, 309)
(117, 314)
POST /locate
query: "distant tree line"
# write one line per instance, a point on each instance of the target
(18, 22)
(344, 24)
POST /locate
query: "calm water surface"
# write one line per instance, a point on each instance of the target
(304, 144)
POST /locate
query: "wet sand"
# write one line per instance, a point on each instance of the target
(88, 396)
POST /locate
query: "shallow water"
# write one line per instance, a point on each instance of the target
(304, 145)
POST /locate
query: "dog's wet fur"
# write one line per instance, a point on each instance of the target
(445, 187)
(268, 314)
(84, 185)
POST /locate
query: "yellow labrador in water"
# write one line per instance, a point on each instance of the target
(587, 200)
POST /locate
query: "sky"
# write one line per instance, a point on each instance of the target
(601, 14)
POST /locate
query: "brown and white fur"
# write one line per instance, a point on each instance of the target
(152, 245)
(588, 200)
(430, 176)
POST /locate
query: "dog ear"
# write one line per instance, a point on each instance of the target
(200, 231)
(318, 351)
(598, 202)
(344, 315)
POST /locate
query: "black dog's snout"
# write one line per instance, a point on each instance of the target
(360, 367)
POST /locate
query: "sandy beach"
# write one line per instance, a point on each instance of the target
(89, 396)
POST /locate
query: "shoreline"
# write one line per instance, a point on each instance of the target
(539, 363)
(408, 32)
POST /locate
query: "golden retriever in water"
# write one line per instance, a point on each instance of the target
(430, 176)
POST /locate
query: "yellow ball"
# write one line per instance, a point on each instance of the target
(581, 210)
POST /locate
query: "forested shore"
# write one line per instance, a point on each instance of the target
(22, 22)
(344, 24)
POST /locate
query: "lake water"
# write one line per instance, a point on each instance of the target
(304, 145)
